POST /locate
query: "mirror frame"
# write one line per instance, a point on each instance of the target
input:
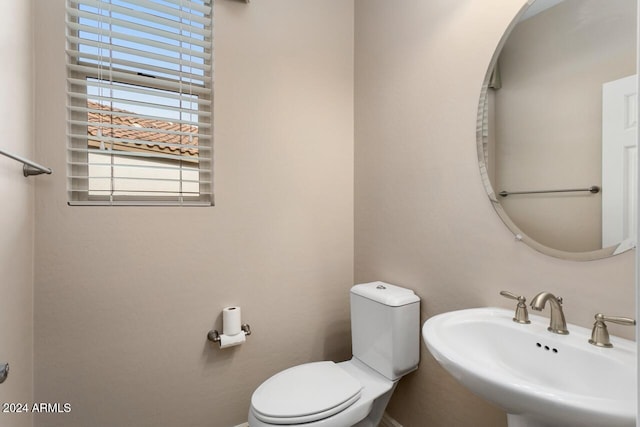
(481, 140)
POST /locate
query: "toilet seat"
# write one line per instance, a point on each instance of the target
(305, 393)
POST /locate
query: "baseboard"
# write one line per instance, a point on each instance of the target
(387, 421)
(242, 425)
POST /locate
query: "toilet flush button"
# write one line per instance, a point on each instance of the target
(381, 287)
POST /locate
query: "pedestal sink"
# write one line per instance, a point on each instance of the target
(539, 378)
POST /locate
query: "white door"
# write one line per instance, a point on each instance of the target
(619, 162)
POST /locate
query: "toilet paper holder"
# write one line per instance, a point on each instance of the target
(214, 335)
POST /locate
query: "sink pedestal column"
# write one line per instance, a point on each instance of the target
(522, 421)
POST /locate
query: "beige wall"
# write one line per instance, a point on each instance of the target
(125, 296)
(549, 116)
(423, 219)
(17, 212)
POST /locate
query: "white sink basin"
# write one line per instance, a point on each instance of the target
(539, 378)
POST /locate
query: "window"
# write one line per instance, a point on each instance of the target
(139, 102)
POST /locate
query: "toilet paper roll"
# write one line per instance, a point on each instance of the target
(230, 341)
(231, 321)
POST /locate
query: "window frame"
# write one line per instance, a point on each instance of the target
(79, 180)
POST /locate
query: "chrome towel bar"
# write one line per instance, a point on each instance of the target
(29, 168)
(594, 189)
(4, 372)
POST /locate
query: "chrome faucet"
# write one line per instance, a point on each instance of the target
(557, 323)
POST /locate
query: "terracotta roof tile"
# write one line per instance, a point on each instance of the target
(151, 131)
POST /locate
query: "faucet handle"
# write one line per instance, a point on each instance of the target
(600, 334)
(616, 319)
(522, 315)
(511, 295)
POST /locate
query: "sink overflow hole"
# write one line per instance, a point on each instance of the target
(546, 347)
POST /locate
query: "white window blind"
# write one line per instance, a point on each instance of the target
(139, 86)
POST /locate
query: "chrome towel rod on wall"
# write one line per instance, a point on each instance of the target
(29, 168)
(593, 189)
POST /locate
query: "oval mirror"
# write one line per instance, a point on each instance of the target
(556, 131)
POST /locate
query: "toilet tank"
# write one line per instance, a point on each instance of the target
(385, 328)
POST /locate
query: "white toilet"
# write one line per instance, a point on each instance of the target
(385, 334)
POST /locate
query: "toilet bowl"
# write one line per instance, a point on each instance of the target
(323, 394)
(385, 335)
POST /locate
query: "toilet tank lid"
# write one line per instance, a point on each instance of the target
(385, 293)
